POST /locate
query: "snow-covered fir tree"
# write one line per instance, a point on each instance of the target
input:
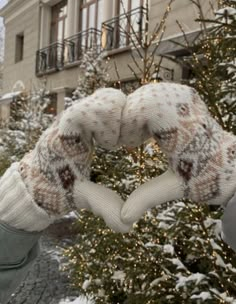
(213, 64)
(28, 119)
(175, 253)
(92, 76)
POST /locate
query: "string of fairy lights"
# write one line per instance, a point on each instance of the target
(132, 249)
(100, 253)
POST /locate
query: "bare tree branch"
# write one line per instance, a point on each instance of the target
(159, 26)
(184, 35)
(136, 63)
(133, 71)
(117, 73)
(158, 43)
(130, 25)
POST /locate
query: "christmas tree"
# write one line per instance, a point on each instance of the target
(92, 76)
(175, 253)
(29, 117)
(213, 64)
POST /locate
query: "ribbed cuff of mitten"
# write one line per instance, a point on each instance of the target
(17, 207)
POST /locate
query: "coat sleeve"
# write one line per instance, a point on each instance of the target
(18, 250)
(229, 223)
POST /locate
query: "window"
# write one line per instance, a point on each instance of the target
(19, 53)
(128, 22)
(90, 14)
(52, 106)
(59, 24)
(127, 6)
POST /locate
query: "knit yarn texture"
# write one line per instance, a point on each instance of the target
(63, 154)
(200, 152)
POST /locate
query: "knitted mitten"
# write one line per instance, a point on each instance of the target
(202, 156)
(52, 179)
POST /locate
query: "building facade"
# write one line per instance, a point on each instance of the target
(44, 39)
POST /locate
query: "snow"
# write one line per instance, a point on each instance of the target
(220, 262)
(216, 223)
(196, 277)
(163, 226)
(150, 244)
(228, 14)
(86, 284)
(10, 96)
(158, 280)
(214, 245)
(71, 215)
(169, 249)
(177, 263)
(203, 296)
(230, 11)
(119, 276)
(149, 149)
(80, 300)
(223, 296)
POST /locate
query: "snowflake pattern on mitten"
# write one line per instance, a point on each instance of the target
(51, 169)
(199, 151)
(63, 154)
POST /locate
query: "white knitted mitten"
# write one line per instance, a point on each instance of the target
(202, 156)
(53, 178)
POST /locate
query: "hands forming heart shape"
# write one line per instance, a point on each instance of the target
(201, 154)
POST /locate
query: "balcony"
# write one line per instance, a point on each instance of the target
(58, 55)
(77, 45)
(121, 31)
(117, 33)
(50, 59)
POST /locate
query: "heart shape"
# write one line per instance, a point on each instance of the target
(201, 156)
(200, 153)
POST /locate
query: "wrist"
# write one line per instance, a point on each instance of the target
(17, 208)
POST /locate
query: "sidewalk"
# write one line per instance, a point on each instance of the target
(47, 283)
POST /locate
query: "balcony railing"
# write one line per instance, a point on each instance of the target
(77, 45)
(54, 57)
(121, 31)
(50, 59)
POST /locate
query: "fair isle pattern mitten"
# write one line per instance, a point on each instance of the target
(56, 172)
(51, 169)
(202, 156)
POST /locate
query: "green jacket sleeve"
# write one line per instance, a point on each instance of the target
(18, 249)
(229, 223)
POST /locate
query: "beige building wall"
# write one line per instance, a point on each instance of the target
(183, 11)
(23, 19)
(33, 19)
(4, 112)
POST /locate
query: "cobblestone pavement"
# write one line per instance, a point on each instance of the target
(46, 283)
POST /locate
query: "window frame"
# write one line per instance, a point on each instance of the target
(118, 13)
(87, 6)
(118, 6)
(19, 47)
(55, 20)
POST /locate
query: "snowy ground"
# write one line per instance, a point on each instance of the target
(80, 300)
